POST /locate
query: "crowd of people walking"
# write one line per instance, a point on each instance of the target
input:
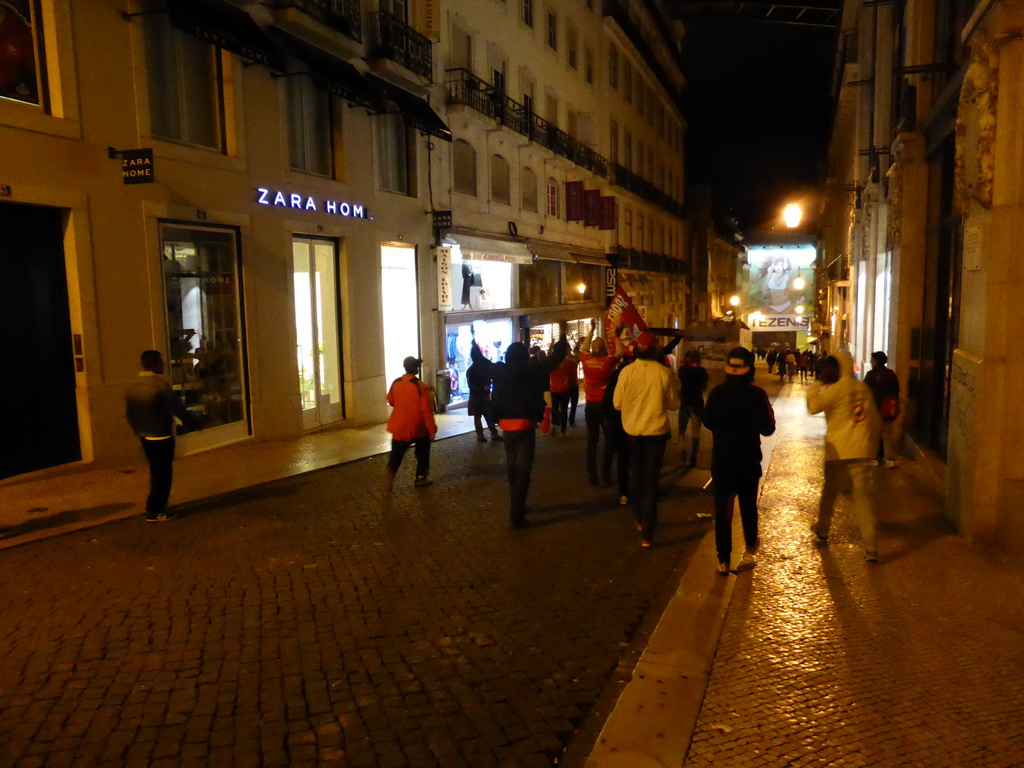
(630, 390)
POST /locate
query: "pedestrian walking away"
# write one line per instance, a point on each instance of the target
(560, 385)
(852, 431)
(693, 383)
(770, 359)
(151, 407)
(411, 424)
(479, 405)
(518, 403)
(598, 366)
(885, 386)
(738, 413)
(645, 393)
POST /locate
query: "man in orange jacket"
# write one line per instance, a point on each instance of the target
(411, 423)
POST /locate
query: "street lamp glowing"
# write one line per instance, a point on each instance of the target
(799, 309)
(792, 215)
(734, 300)
(799, 284)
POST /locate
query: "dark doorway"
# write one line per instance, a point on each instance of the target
(37, 390)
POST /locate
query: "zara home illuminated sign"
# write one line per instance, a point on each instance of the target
(265, 196)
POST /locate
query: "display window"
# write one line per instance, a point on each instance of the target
(582, 283)
(480, 285)
(20, 52)
(493, 338)
(204, 321)
(540, 284)
(544, 336)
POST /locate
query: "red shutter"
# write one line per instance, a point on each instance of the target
(592, 207)
(608, 213)
(574, 201)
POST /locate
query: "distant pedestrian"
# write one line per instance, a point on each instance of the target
(738, 413)
(851, 443)
(479, 406)
(598, 366)
(616, 435)
(574, 387)
(644, 395)
(693, 383)
(885, 386)
(790, 364)
(770, 359)
(411, 424)
(151, 406)
(804, 365)
(518, 402)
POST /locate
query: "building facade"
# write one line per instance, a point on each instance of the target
(923, 213)
(274, 194)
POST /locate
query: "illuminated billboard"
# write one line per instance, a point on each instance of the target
(781, 287)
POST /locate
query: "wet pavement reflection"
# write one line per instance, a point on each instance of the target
(828, 660)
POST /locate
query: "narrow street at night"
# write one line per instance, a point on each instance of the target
(313, 621)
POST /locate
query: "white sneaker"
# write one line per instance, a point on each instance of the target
(748, 561)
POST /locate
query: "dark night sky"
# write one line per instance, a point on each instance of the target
(759, 110)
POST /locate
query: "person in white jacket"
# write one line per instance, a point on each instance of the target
(645, 393)
(852, 432)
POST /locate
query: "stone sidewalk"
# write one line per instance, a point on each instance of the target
(826, 660)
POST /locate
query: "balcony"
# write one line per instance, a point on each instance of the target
(464, 87)
(621, 176)
(339, 15)
(645, 261)
(397, 41)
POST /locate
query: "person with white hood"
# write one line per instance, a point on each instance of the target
(853, 428)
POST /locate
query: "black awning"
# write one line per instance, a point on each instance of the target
(334, 75)
(415, 111)
(224, 25)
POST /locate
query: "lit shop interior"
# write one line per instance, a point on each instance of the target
(485, 286)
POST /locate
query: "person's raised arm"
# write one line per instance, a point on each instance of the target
(559, 351)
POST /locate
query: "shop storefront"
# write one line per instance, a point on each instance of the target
(202, 296)
(505, 291)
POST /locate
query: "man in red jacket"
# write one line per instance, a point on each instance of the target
(411, 423)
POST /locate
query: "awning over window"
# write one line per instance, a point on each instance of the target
(415, 111)
(485, 249)
(552, 254)
(596, 260)
(329, 72)
(224, 25)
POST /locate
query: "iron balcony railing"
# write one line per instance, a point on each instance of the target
(621, 176)
(646, 261)
(463, 87)
(397, 41)
(340, 15)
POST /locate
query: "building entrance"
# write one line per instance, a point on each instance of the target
(316, 330)
(399, 301)
(38, 408)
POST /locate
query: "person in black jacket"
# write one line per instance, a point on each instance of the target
(517, 402)
(737, 413)
(480, 403)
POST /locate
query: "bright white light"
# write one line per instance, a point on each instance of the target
(792, 215)
(799, 284)
(799, 309)
(582, 288)
(734, 301)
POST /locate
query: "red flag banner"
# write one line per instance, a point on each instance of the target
(574, 201)
(622, 321)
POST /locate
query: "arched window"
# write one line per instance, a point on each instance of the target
(500, 180)
(528, 184)
(464, 160)
(551, 198)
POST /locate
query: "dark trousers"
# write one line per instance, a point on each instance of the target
(620, 446)
(574, 401)
(160, 455)
(728, 487)
(559, 410)
(398, 449)
(646, 456)
(484, 411)
(520, 448)
(596, 423)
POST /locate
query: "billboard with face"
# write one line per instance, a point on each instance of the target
(781, 286)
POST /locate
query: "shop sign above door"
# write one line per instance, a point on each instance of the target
(136, 164)
(265, 196)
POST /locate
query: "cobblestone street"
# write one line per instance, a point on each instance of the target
(826, 660)
(313, 621)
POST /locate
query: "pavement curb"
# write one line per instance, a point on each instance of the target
(654, 718)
